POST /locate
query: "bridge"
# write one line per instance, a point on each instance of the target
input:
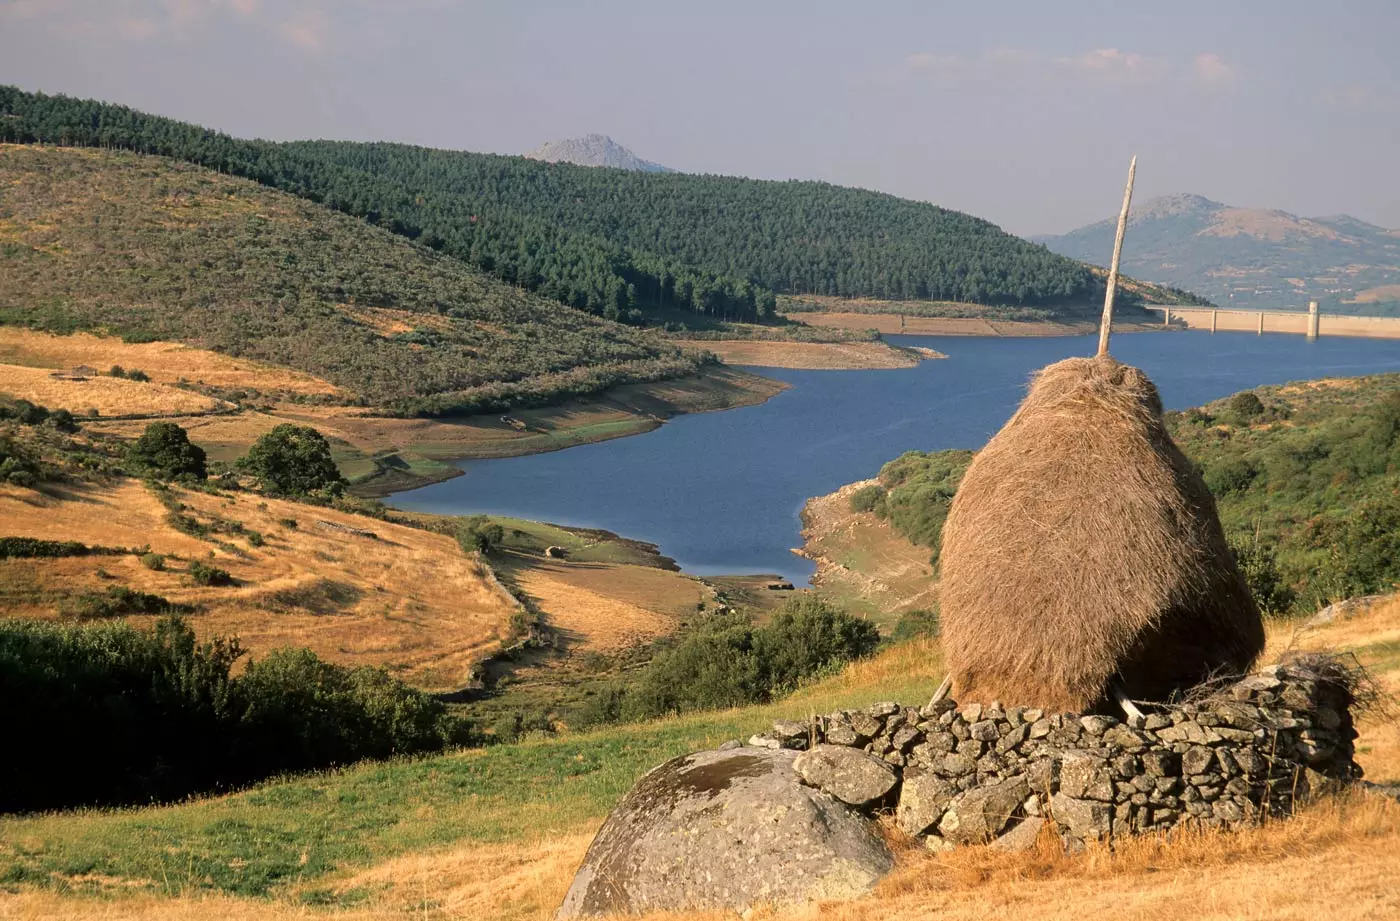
(1311, 322)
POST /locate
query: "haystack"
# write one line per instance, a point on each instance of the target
(1081, 547)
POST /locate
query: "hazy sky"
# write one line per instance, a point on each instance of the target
(1021, 112)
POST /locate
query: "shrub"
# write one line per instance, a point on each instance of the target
(917, 623)
(137, 375)
(288, 523)
(167, 719)
(118, 601)
(1231, 475)
(1245, 406)
(728, 662)
(294, 460)
(164, 451)
(869, 499)
(117, 371)
(31, 547)
(479, 534)
(1258, 564)
(204, 574)
(153, 561)
(63, 421)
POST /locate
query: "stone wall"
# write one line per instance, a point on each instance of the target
(982, 772)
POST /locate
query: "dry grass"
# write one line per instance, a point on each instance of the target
(411, 600)
(603, 607)
(164, 362)
(110, 396)
(818, 356)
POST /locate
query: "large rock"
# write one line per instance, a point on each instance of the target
(725, 830)
(923, 799)
(848, 774)
(980, 814)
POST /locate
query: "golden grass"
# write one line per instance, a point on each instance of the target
(597, 620)
(411, 600)
(110, 396)
(164, 362)
(828, 356)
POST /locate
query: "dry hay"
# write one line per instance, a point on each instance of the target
(110, 396)
(1082, 544)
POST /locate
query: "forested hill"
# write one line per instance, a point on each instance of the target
(620, 244)
(149, 248)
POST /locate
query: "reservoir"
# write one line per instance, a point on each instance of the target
(721, 492)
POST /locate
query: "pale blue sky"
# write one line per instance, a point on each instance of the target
(1021, 111)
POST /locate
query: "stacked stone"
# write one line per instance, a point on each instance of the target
(979, 773)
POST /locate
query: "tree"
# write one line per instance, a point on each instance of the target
(294, 460)
(165, 452)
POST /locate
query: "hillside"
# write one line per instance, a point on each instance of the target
(614, 242)
(152, 249)
(1250, 257)
(594, 150)
(499, 832)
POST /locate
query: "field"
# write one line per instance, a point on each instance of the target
(497, 833)
(104, 396)
(405, 598)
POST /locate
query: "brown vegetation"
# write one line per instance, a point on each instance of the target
(1082, 545)
(108, 396)
(164, 362)
(409, 600)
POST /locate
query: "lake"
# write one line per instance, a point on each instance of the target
(721, 492)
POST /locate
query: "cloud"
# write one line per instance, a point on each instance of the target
(1211, 71)
(1007, 66)
(303, 24)
(1358, 98)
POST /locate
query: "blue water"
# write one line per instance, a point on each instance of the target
(721, 491)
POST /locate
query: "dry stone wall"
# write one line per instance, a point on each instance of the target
(980, 773)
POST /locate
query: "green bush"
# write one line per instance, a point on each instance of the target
(204, 574)
(63, 421)
(167, 719)
(1258, 564)
(917, 623)
(118, 601)
(729, 662)
(1231, 475)
(1245, 406)
(294, 460)
(153, 561)
(479, 534)
(31, 547)
(164, 451)
(869, 499)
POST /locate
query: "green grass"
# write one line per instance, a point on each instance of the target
(295, 830)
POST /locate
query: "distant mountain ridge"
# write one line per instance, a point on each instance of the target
(595, 150)
(1251, 257)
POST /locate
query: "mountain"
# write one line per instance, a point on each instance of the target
(594, 150)
(643, 247)
(1250, 257)
(153, 249)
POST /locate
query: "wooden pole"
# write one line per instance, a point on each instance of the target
(942, 691)
(1107, 320)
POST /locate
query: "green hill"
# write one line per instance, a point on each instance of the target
(149, 248)
(620, 244)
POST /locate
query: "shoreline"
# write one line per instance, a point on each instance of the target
(893, 324)
(632, 409)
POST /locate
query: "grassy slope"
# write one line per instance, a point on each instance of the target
(150, 248)
(501, 830)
